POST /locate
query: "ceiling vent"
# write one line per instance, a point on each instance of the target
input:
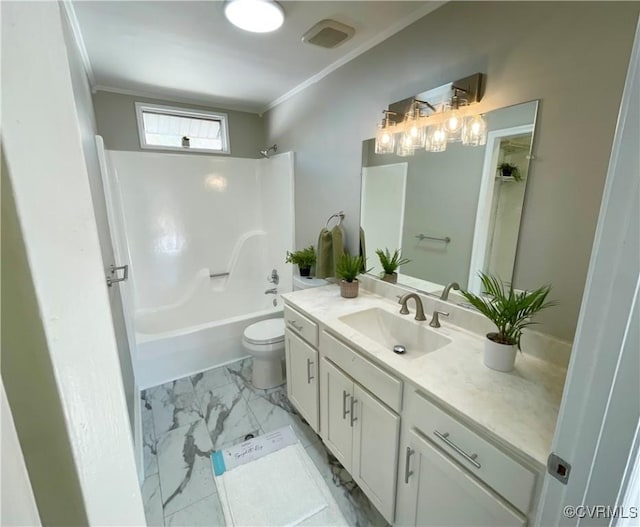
(328, 34)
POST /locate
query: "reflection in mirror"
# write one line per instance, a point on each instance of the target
(452, 213)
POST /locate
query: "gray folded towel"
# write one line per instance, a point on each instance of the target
(324, 261)
(330, 250)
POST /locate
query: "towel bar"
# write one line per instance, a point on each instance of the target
(421, 237)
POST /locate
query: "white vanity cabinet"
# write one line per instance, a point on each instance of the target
(436, 491)
(450, 475)
(301, 340)
(360, 430)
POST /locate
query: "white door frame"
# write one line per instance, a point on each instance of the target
(53, 201)
(485, 200)
(600, 409)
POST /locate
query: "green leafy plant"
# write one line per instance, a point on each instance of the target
(508, 310)
(509, 170)
(391, 262)
(349, 267)
(304, 258)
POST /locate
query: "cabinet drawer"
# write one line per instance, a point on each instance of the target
(386, 387)
(302, 325)
(497, 469)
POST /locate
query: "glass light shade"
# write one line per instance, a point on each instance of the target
(437, 138)
(413, 134)
(257, 16)
(405, 146)
(453, 125)
(385, 140)
(474, 131)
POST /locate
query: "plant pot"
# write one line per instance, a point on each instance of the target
(304, 271)
(348, 289)
(391, 278)
(499, 357)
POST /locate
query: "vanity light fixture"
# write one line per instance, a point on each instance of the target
(431, 126)
(257, 16)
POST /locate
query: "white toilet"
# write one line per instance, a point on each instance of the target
(264, 340)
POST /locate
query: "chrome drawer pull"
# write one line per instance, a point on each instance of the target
(295, 325)
(345, 396)
(353, 413)
(309, 376)
(471, 458)
(407, 461)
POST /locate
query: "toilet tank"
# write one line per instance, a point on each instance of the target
(307, 282)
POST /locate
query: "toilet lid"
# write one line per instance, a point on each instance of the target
(265, 331)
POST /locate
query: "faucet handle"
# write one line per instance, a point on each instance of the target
(435, 320)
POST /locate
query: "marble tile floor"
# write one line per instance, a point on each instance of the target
(185, 420)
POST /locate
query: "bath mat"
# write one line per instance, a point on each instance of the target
(271, 481)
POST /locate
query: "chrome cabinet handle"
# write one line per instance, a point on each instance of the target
(113, 269)
(309, 376)
(471, 458)
(345, 396)
(353, 413)
(407, 464)
(295, 325)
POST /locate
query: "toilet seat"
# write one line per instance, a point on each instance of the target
(269, 331)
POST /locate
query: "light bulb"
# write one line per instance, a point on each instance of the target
(437, 137)
(385, 140)
(257, 16)
(405, 146)
(474, 131)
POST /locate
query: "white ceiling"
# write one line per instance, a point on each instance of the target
(188, 50)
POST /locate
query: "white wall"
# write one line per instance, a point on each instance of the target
(63, 322)
(276, 200)
(568, 54)
(17, 503)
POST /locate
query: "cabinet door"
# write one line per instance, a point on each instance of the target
(440, 493)
(336, 392)
(375, 450)
(302, 377)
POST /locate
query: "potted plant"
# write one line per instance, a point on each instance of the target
(348, 268)
(511, 313)
(390, 263)
(304, 259)
(509, 171)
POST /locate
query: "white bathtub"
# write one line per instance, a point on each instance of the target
(200, 333)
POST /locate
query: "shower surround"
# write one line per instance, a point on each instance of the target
(182, 219)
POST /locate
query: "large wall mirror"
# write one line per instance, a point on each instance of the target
(452, 213)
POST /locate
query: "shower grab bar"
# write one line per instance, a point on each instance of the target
(218, 275)
(421, 237)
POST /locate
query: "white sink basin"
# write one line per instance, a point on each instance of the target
(389, 330)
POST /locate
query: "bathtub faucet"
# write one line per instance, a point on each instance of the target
(272, 291)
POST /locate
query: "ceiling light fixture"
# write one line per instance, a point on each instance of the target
(257, 16)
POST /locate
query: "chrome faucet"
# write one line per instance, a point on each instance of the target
(450, 286)
(419, 308)
(435, 320)
(272, 291)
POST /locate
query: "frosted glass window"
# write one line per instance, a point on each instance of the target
(163, 127)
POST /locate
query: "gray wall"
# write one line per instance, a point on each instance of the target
(571, 55)
(117, 124)
(28, 377)
(88, 130)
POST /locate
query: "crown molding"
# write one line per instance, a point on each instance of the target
(77, 36)
(366, 46)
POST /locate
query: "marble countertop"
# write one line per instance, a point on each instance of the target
(519, 408)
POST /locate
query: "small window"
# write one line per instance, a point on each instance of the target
(169, 128)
